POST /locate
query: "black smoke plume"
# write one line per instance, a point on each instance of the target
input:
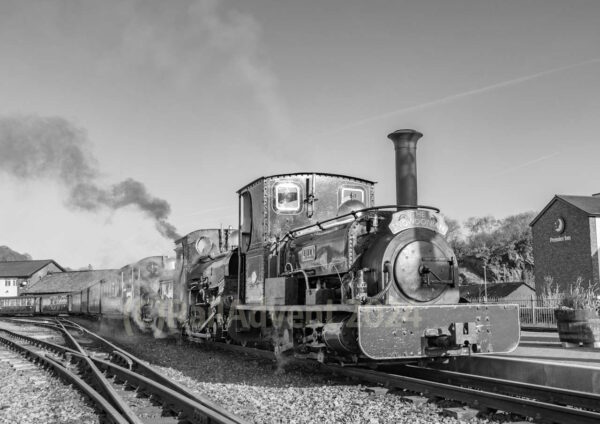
(33, 147)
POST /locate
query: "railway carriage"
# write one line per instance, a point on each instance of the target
(112, 301)
(55, 304)
(11, 306)
(75, 305)
(93, 295)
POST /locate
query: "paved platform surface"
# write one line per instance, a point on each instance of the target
(546, 346)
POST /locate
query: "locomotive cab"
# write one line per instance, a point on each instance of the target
(271, 206)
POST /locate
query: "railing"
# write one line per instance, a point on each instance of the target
(533, 312)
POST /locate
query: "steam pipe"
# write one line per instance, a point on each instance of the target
(405, 145)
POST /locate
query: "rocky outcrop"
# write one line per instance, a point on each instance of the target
(508, 267)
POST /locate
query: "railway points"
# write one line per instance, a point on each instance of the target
(121, 394)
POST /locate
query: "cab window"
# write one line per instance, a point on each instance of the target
(246, 221)
(352, 193)
(287, 197)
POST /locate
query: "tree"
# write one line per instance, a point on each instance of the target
(485, 224)
(504, 245)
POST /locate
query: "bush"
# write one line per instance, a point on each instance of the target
(580, 297)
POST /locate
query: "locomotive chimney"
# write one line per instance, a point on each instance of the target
(405, 144)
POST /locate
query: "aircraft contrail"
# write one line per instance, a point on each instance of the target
(459, 96)
(523, 165)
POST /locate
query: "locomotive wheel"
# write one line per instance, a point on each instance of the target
(158, 327)
(281, 341)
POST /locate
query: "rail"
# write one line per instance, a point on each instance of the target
(151, 373)
(478, 397)
(111, 413)
(175, 397)
(552, 404)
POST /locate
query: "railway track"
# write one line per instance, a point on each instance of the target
(541, 402)
(124, 388)
(544, 403)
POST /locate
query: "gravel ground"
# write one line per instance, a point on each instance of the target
(41, 333)
(263, 392)
(34, 395)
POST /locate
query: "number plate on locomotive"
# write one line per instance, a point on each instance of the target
(404, 220)
(308, 253)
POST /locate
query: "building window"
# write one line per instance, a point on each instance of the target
(287, 197)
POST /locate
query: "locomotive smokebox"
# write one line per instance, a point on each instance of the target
(405, 144)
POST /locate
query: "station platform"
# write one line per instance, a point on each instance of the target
(539, 359)
(546, 346)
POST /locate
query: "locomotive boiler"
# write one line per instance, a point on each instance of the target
(326, 274)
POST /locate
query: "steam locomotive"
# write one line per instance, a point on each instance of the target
(317, 270)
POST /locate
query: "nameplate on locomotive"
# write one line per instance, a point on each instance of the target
(404, 220)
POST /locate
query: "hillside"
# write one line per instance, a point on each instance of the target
(7, 254)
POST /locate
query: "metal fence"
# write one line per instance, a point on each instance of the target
(534, 312)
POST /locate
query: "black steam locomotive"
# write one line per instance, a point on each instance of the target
(316, 269)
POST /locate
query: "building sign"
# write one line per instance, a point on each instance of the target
(560, 239)
(418, 219)
(559, 225)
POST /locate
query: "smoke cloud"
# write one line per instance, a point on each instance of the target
(33, 147)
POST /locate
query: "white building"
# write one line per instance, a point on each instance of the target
(17, 275)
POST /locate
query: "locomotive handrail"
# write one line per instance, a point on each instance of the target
(354, 214)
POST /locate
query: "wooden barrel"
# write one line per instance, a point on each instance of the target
(579, 326)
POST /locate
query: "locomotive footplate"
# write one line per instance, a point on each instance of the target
(404, 332)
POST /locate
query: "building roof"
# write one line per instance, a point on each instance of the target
(494, 290)
(72, 281)
(24, 269)
(587, 204)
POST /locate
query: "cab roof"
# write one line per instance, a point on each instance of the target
(294, 174)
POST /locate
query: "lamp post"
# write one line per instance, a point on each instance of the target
(484, 282)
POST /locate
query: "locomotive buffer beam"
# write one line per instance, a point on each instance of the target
(404, 332)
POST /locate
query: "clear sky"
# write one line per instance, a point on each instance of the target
(196, 98)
